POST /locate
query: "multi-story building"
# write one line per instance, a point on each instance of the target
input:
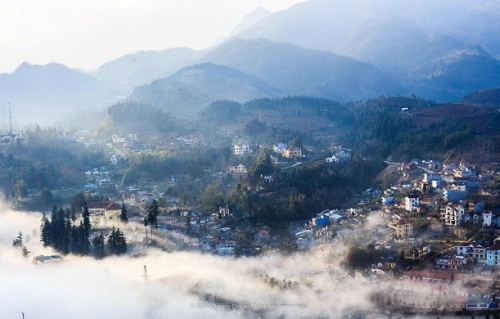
(452, 214)
(475, 251)
(487, 218)
(237, 169)
(412, 202)
(241, 148)
(293, 152)
(403, 227)
(493, 255)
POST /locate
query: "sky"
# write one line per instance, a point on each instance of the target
(84, 34)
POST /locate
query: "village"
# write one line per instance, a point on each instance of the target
(437, 225)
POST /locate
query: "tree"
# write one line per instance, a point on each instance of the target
(99, 246)
(18, 241)
(255, 127)
(45, 231)
(152, 216)
(86, 220)
(123, 214)
(26, 252)
(211, 198)
(296, 142)
(47, 198)
(117, 243)
(77, 202)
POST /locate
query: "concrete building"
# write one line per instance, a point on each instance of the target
(412, 202)
(452, 214)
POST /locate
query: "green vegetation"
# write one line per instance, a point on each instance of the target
(303, 106)
(61, 233)
(381, 130)
(364, 257)
(220, 112)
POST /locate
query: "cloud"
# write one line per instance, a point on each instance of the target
(180, 284)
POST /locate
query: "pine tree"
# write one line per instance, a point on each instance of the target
(45, 231)
(123, 214)
(76, 243)
(26, 252)
(58, 238)
(86, 220)
(117, 242)
(18, 241)
(152, 217)
(84, 239)
(99, 246)
(85, 230)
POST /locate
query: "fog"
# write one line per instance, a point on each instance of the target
(179, 284)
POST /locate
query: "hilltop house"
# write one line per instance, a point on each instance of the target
(106, 208)
(292, 152)
(237, 169)
(241, 148)
(224, 211)
(339, 157)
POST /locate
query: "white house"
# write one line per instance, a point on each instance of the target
(411, 202)
(237, 169)
(339, 157)
(241, 148)
(452, 214)
(487, 217)
(476, 251)
(493, 255)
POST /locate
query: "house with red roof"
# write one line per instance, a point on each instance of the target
(106, 208)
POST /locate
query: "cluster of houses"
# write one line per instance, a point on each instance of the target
(454, 182)
(480, 252)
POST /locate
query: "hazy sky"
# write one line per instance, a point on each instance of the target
(86, 33)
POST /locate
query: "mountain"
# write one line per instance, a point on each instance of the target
(249, 20)
(130, 117)
(486, 97)
(194, 87)
(41, 93)
(298, 71)
(399, 37)
(456, 73)
(144, 67)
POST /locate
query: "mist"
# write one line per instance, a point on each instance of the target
(182, 284)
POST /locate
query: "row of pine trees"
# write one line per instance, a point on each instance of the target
(62, 233)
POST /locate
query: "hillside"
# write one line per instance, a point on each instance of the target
(144, 67)
(298, 71)
(456, 73)
(194, 87)
(42, 93)
(487, 97)
(409, 40)
(131, 117)
(382, 129)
